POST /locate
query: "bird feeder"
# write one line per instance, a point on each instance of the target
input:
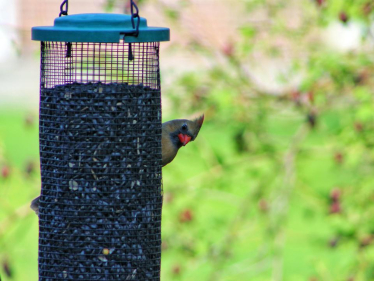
(100, 147)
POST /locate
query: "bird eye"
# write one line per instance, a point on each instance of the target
(184, 127)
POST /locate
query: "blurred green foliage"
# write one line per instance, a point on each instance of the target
(276, 186)
(19, 182)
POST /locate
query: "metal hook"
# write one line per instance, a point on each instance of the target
(133, 16)
(62, 10)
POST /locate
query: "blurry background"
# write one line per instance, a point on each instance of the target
(279, 183)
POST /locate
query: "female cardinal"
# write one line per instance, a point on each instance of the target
(175, 134)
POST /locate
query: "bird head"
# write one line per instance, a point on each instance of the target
(182, 131)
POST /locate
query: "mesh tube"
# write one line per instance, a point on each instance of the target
(100, 153)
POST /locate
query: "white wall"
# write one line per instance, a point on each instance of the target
(8, 29)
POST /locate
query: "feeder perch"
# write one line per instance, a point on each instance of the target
(100, 148)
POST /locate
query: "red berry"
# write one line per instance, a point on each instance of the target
(335, 194)
(367, 8)
(263, 205)
(176, 269)
(343, 17)
(358, 127)
(295, 95)
(5, 171)
(228, 49)
(186, 216)
(335, 208)
(320, 2)
(338, 157)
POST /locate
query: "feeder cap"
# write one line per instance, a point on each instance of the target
(103, 28)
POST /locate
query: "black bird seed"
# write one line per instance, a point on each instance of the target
(100, 206)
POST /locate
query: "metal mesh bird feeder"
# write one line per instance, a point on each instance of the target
(100, 148)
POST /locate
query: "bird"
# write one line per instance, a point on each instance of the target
(175, 134)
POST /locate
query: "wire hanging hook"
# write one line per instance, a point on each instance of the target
(135, 16)
(62, 10)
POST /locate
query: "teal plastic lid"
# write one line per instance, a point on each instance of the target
(105, 28)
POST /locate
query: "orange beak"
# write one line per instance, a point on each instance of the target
(184, 139)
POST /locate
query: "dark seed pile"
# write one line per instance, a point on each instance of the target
(100, 208)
